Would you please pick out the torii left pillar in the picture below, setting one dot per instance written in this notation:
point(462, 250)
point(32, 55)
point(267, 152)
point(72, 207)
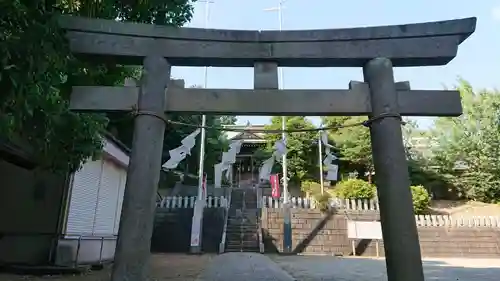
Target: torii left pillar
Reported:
point(136, 228)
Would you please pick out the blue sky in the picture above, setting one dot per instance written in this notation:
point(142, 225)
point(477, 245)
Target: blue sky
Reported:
point(478, 59)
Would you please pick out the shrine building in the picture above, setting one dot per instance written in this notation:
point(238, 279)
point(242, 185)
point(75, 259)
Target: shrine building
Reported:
point(246, 168)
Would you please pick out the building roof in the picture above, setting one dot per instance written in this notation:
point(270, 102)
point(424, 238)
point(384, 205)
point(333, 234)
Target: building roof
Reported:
point(248, 136)
point(16, 153)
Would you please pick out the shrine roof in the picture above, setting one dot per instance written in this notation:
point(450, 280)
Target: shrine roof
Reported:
point(248, 136)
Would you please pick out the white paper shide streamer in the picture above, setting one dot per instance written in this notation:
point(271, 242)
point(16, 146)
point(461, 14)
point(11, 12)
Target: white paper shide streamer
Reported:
point(331, 169)
point(228, 159)
point(178, 154)
point(267, 166)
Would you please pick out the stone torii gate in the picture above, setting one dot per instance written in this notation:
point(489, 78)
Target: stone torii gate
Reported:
point(376, 49)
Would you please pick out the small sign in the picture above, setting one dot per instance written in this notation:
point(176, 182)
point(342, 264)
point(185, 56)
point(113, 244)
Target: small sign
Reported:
point(364, 230)
point(204, 183)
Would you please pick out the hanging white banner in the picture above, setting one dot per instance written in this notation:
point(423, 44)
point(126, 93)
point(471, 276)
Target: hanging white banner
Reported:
point(331, 169)
point(267, 166)
point(178, 154)
point(225, 166)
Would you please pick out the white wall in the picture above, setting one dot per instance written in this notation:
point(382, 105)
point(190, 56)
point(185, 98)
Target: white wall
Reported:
point(96, 194)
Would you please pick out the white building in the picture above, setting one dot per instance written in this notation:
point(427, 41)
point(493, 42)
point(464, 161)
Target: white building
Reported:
point(67, 220)
point(93, 209)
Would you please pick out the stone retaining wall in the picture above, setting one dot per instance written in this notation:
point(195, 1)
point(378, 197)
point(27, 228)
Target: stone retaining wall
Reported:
point(315, 232)
point(172, 230)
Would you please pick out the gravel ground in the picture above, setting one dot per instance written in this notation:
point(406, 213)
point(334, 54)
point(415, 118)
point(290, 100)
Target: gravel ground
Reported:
point(316, 268)
point(172, 267)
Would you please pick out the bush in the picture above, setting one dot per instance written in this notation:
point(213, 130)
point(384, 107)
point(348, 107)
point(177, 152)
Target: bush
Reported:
point(355, 189)
point(421, 199)
point(310, 187)
point(322, 201)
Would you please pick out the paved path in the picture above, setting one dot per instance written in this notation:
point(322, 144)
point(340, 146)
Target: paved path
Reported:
point(316, 268)
point(243, 267)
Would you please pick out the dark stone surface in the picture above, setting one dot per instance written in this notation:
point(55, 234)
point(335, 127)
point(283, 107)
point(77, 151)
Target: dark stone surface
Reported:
point(403, 52)
point(432, 43)
point(143, 174)
point(213, 226)
point(403, 257)
point(172, 230)
point(318, 233)
point(464, 27)
point(352, 102)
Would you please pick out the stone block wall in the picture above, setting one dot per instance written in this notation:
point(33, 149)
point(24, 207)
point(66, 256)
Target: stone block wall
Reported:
point(213, 226)
point(314, 232)
point(172, 230)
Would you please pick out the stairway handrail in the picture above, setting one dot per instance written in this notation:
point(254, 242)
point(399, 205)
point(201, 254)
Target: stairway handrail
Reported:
point(222, 245)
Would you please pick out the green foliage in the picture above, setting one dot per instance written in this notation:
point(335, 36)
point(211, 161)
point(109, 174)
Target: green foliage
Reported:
point(311, 187)
point(421, 199)
point(37, 72)
point(466, 149)
point(355, 189)
point(353, 142)
point(302, 154)
point(322, 201)
point(227, 120)
point(422, 173)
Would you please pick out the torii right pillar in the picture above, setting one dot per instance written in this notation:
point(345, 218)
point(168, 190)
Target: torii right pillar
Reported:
point(399, 230)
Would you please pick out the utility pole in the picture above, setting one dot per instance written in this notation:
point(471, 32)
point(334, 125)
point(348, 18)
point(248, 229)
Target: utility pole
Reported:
point(287, 227)
point(279, 9)
point(197, 222)
point(203, 117)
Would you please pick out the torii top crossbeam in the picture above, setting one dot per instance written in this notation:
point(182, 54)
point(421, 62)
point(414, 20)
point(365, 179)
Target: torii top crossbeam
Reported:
point(431, 43)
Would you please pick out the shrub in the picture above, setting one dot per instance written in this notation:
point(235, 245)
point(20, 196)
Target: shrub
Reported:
point(322, 201)
point(311, 187)
point(421, 199)
point(355, 189)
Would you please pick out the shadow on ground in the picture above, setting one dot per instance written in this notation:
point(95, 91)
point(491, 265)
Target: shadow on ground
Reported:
point(172, 267)
point(309, 268)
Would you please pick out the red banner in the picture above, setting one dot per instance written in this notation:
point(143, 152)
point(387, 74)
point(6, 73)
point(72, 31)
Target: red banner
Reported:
point(204, 185)
point(275, 185)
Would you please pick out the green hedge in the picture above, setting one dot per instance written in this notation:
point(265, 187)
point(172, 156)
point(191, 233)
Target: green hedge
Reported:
point(360, 189)
point(355, 189)
point(421, 199)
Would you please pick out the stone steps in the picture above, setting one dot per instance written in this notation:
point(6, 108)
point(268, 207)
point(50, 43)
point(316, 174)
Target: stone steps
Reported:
point(243, 250)
point(243, 221)
point(243, 243)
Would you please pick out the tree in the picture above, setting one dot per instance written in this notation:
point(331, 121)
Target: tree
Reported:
point(302, 154)
point(471, 143)
point(37, 71)
point(227, 120)
point(352, 141)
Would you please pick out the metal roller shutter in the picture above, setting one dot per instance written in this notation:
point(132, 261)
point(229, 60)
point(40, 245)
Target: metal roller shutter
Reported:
point(107, 200)
point(123, 179)
point(84, 192)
